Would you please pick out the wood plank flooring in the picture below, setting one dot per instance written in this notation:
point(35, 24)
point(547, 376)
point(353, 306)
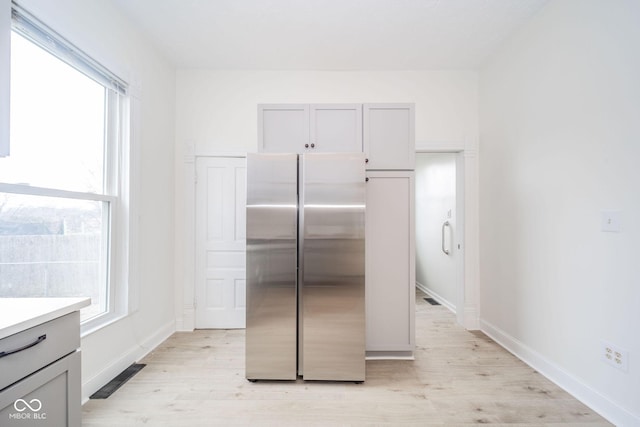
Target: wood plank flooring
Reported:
point(458, 378)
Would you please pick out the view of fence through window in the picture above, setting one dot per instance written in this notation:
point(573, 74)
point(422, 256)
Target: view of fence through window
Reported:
point(51, 247)
point(54, 239)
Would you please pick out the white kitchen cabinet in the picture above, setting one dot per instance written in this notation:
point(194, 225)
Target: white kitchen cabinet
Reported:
point(389, 136)
point(390, 272)
point(336, 127)
point(385, 132)
point(300, 128)
point(5, 67)
point(283, 128)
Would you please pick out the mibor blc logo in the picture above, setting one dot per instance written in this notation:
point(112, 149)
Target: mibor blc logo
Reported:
point(28, 410)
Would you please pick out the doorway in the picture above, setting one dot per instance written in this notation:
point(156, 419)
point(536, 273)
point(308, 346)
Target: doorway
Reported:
point(439, 228)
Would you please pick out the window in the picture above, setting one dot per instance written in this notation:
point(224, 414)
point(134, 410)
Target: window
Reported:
point(61, 207)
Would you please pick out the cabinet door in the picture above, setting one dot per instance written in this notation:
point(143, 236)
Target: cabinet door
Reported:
point(389, 136)
point(283, 128)
point(336, 128)
point(5, 67)
point(390, 275)
point(47, 398)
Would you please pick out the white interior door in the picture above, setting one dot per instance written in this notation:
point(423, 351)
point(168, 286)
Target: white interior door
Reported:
point(220, 242)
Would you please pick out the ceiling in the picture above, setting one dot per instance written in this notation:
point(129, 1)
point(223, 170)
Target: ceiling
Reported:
point(329, 34)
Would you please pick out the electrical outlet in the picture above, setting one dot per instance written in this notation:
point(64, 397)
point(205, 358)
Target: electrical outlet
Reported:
point(615, 356)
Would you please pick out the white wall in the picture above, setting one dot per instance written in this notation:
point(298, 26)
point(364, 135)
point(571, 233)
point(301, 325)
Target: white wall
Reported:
point(560, 141)
point(217, 110)
point(436, 203)
point(101, 31)
point(217, 113)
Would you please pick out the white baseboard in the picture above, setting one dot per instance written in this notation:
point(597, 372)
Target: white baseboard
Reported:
point(134, 354)
point(422, 287)
point(444, 302)
point(572, 385)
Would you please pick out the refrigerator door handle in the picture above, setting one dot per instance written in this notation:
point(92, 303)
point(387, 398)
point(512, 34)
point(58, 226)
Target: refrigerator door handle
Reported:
point(444, 225)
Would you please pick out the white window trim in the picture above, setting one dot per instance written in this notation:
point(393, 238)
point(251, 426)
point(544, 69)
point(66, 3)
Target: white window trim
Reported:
point(39, 33)
point(117, 175)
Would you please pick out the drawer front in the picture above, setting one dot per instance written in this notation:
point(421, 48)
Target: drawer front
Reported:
point(48, 398)
point(52, 340)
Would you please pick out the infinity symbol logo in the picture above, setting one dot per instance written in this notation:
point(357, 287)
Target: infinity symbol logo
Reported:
point(21, 405)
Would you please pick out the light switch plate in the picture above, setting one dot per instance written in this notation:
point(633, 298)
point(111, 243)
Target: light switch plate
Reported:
point(610, 221)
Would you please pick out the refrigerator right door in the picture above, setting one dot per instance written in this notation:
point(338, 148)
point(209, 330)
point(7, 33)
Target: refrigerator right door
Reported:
point(331, 289)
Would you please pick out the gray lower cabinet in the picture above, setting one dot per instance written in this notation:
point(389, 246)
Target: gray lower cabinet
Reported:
point(40, 375)
point(50, 397)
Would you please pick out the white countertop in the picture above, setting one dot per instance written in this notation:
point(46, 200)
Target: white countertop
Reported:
point(18, 314)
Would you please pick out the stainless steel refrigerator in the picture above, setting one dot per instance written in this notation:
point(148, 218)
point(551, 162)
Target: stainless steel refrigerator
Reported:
point(305, 266)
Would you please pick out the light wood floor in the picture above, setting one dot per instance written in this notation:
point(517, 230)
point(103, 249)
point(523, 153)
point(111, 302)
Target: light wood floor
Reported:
point(458, 378)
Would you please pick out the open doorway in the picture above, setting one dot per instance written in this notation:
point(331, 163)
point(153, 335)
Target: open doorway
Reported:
point(439, 228)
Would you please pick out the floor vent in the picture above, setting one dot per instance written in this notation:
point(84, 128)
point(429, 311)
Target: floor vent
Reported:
point(124, 376)
point(432, 301)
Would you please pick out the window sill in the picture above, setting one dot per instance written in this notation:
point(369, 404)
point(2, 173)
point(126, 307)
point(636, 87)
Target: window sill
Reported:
point(99, 323)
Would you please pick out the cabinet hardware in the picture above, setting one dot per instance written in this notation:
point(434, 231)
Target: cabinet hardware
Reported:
point(17, 350)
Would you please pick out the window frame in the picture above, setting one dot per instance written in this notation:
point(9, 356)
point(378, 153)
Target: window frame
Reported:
point(118, 245)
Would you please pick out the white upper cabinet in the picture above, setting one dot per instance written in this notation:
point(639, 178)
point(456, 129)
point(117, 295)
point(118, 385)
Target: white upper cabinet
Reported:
point(283, 128)
point(336, 127)
point(385, 132)
point(5, 67)
point(389, 136)
point(299, 128)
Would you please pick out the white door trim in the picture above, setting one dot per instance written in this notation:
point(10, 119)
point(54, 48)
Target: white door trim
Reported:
point(185, 271)
point(467, 271)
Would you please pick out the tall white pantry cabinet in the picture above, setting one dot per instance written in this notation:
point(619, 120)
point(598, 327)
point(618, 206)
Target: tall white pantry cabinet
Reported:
point(385, 133)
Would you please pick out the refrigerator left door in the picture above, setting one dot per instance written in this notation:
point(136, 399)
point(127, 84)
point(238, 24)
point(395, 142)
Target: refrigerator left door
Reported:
point(272, 215)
